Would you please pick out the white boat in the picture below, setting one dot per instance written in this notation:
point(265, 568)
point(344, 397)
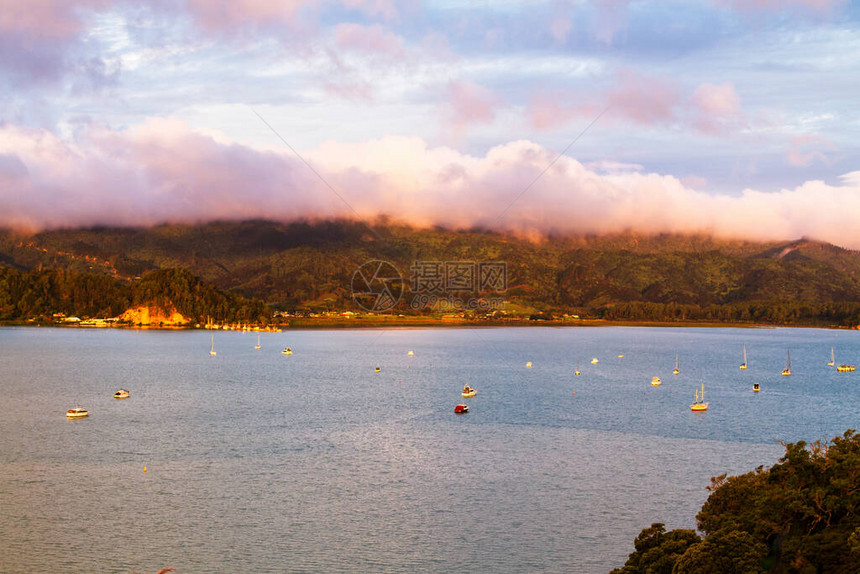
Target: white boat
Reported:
point(529, 364)
point(656, 382)
point(744, 364)
point(469, 392)
point(287, 351)
point(77, 413)
point(121, 394)
point(594, 361)
point(257, 346)
point(699, 405)
point(212, 348)
point(832, 358)
point(787, 370)
point(410, 354)
point(677, 369)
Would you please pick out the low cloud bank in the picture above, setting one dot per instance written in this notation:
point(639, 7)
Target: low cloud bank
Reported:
point(162, 171)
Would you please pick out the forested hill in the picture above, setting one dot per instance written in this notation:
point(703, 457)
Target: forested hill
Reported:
point(304, 265)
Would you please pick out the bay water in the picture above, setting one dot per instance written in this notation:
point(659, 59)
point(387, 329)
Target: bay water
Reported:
point(261, 462)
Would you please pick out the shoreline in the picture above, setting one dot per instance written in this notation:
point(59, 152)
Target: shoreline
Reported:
point(413, 322)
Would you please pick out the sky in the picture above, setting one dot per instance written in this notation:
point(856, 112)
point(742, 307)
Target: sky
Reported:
point(732, 117)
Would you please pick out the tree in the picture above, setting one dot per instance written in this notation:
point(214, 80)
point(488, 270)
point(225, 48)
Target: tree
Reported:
point(726, 552)
point(800, 515)
point(658, 550)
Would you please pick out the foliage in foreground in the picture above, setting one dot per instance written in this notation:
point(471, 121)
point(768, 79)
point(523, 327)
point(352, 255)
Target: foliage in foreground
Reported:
point(800, 515)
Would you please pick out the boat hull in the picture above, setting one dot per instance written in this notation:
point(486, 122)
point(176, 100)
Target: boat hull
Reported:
point(698, 408)
point(75, 414)
point(469, 394)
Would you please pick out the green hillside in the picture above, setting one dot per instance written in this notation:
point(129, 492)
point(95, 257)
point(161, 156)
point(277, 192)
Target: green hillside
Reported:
point(304, 265)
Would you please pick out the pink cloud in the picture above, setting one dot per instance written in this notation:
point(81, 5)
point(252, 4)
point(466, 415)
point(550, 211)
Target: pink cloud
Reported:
point(647, 100)
point(469, 104)
point(808, 148)
point(611, 18)
point(548, 111)
point(644, 99)
point(717, 106)
point(387, 9)
point(560, 28)
point(164, 171)
point(372, 40)
point(47, 19)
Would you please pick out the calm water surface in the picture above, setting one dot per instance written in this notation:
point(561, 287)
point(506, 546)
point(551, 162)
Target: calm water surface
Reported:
point(260, 462)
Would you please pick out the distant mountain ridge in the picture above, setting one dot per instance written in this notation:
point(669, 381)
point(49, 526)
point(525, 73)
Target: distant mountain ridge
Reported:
point(623, 276)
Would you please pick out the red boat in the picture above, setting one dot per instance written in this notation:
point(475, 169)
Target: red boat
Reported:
point(461, 409)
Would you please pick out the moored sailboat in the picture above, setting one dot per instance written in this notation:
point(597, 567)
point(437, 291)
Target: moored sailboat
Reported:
point(677, 368)
point(787, 370)
point(699, 404)
point(744, 364)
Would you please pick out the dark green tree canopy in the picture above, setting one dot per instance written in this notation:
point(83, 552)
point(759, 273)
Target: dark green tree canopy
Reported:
point(800, 515)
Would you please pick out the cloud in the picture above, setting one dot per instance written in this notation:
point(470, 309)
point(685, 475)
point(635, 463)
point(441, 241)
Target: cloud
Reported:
point(812, 6)
point(611, 18)
point(808, 148)
point(468, 104)
point(41, 41)
point(164, 171)
point(560, 28)
point(373, 40)
point(718, 106)
point(642, 99)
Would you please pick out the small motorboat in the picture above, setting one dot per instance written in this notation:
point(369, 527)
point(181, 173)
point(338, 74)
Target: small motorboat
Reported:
point(755, 388)
point(461, 409)
point(121, 394)
point(378, 369)
point(287, 351)
point(620, 356)
point(576, 372)
point(77, 413)
point(594, 361)
point(410, 354)
point(469, 391)
point(656, 382)
point(846, 368)
point(529, 365)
